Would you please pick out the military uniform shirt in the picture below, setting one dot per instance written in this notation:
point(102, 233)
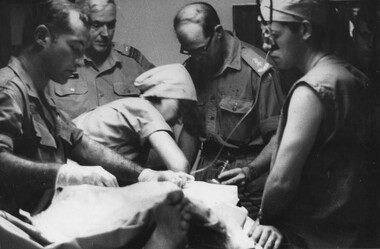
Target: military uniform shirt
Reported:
point(91, 87)
point(226, 97)
point(124, 125)
point(31, 128)
point(226, 100)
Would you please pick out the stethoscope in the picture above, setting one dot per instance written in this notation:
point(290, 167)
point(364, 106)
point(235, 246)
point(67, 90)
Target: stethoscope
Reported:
point(267, 34)
point(268, 38)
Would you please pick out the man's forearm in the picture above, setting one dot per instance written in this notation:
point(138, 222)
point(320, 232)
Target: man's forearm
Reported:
point(276, 198)
point(305, 115)
point(261, 164)
point(282, 183)
point(19, 174)
point(89, 152)
point(189, 145)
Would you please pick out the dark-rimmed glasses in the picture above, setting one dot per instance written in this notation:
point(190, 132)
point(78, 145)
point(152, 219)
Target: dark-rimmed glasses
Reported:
point(199, 50)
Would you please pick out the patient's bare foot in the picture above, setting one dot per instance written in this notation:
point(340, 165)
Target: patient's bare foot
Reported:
point(172, 218)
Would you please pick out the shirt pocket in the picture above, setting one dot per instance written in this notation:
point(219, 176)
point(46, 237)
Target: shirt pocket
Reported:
point(231, 113)
point(42, 132)
point(235, 106)
point(72, 87)
point(126, 88)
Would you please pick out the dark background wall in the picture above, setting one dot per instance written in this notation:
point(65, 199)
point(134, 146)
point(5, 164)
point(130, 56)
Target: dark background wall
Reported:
point(147, 25)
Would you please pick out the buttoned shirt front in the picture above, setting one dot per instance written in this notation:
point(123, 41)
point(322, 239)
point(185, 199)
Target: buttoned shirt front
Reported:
point(31, 128)
point(91, 86)
point(241, 105)
point(225, 98)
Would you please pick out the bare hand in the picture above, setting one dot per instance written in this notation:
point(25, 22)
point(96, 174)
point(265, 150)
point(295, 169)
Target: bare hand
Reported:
point(267, 237)
point(234, 176)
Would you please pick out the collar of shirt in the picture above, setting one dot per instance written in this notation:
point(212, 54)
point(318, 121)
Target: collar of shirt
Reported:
point(15, 65)
point(233, 49)
point(111, 61)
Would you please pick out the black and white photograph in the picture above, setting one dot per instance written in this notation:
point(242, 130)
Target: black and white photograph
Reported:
point(182, 124)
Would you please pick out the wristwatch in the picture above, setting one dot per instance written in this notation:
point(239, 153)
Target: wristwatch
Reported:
point(260, 217)
point(250, 173)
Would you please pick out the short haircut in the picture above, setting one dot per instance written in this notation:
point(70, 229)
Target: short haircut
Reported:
point(54, 14)
point(88, 6)
point(318, 36)
point(205, 15)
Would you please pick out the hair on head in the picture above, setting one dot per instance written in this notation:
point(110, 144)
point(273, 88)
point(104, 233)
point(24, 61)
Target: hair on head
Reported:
point(54, 14)
point(88, 6)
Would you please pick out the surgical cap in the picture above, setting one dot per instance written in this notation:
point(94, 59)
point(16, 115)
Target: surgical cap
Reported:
point(295, 10)
point(169, 81)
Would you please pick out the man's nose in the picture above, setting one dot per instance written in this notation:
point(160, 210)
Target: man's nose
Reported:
point(104, 31)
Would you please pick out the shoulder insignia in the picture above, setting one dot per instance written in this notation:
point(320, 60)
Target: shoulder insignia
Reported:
point(256, 61)
point(133, 53)
point(127, 50)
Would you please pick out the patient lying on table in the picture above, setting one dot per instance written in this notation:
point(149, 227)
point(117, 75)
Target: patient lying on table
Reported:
point(145, 215)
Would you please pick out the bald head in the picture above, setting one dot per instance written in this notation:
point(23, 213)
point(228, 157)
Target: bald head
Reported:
point(199, 13)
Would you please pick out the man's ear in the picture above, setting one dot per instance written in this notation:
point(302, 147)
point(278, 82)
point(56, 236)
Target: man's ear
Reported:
point(42, 35)
point(218, 29)
point(306, 30)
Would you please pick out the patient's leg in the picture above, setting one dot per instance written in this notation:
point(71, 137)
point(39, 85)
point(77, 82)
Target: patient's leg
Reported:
point(172, 220)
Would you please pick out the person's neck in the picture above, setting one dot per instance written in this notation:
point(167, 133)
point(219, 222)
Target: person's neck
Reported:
point(312, 57)
point(222, 55)
point(98, 58)
point(32, 64)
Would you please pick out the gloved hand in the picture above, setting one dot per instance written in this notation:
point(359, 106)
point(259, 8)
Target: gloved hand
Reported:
point(178, 178)
point(70, 174)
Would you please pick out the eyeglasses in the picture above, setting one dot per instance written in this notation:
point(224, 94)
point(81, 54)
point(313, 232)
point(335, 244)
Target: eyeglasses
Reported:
point(97, 25)
point(199, 50)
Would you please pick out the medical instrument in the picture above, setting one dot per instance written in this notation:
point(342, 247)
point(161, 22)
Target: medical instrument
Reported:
point(266, 35)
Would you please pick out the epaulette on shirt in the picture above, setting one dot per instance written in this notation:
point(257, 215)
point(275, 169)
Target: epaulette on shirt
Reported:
point(129, 51)
point(255, 59)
